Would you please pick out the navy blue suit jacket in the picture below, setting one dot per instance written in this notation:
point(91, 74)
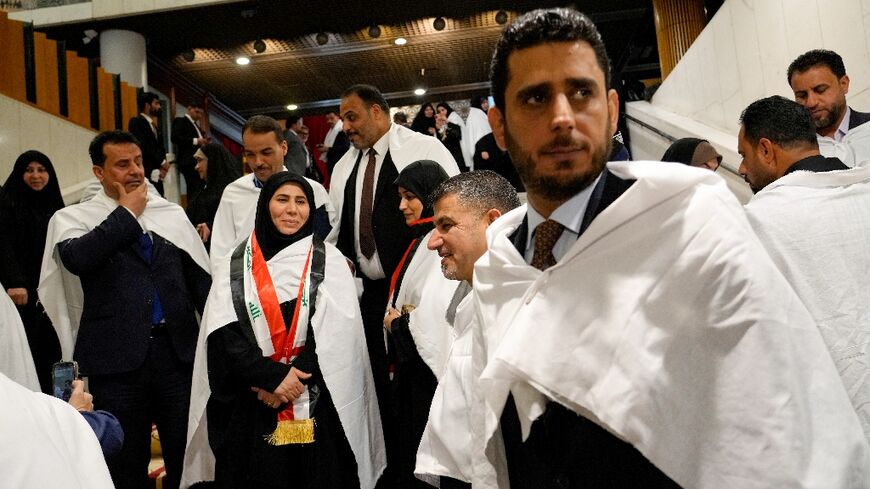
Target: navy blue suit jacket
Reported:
point(118, 285)
point(857, 118)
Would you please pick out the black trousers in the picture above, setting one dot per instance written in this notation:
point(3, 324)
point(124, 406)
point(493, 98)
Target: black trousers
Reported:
point(159, 392)
point(373, 305)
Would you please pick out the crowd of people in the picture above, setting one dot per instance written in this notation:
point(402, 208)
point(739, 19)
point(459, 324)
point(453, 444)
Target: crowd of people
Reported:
point(416, 325)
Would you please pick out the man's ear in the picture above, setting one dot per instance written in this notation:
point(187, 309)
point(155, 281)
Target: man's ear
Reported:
point(613, 106)
point(844, 83)
point(767, 149)
point(496, 122)
point(492, 215)
point(284, 148)
point(98, 172)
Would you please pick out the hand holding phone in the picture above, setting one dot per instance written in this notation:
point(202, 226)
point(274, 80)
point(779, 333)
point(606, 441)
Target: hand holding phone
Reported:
point(62, 376)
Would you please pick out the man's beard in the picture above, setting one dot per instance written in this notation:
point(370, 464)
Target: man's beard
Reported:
point(557, 188)
point(829, 120)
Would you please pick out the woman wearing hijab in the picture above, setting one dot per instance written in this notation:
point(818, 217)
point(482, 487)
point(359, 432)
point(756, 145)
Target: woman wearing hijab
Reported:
point(419, 296)
point(424, 121)
point(291, 401)
point(32, 195)
point(218, 168)
point(693, 152)
point(450, 128)
point(476, 127)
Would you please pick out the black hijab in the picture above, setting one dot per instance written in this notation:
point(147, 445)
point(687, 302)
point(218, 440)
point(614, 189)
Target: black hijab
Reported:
point(223, 168)
point(48, 200)
point(270, 239)
point(421, 178)
point(477, 102)
point(683, 151)
point(422, 123)
point(446, 106)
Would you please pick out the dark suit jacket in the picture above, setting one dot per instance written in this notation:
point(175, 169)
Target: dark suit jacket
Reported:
point(565, 449)
point(153, 152)
point(392, 235)
point(857, 118)
point(118, 286)
point(337, 150)
point(296, 159)
point(183, 133)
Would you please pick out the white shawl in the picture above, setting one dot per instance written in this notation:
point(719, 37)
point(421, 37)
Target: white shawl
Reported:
point(16, 361)
point(816, 227)
point(406, 146)
point(47, 443)
point(341, 353)
point(476, 127)
point(853, 150)
point(61, 291)
point(234, 220)
point(445, 448)
point(329, 139)
point(667, 324)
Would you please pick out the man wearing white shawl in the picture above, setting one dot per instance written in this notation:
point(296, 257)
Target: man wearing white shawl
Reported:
point(476, 126)
point(465, 206)
point(631, 331)
point(375, 240)
point(16, 361)
point(122, 277)
point(47, 443)
point(264, 152)
point(806, 207)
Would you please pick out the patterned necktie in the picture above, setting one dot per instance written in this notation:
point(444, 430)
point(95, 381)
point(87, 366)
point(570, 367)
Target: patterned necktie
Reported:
point(546, 235)
point(366, 234)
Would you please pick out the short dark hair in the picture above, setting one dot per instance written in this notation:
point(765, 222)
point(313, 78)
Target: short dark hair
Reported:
point(146, 98)
point(817, 57)
point(95, 149)
point(400, 118)
point(785, 122)
point(195, 104)
point(262, 124)
point(369, 95)
point(481, 190)
point(293, 119)
point(539, 27)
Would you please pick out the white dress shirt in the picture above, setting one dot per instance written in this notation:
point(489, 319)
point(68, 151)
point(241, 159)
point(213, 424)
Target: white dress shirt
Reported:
point(372, 267)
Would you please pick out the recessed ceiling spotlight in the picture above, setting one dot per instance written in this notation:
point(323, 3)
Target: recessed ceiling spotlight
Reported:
point(375, 31)
point(501, 17)
point(259, 46)
point(420, 91)
point(400, 41)
point(292, 107)
point(321, 38)
point(188, 55)
point(439, 24)
point(243, 60)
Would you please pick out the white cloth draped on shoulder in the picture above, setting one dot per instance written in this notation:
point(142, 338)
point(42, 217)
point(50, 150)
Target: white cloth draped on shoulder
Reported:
point(406, 147)
point(16, 362)
point(61, 292)
point(47, 443)
point(816, 227)
point(341, 354)
point(234, 220)
point(853, 150)
point(329, 139)
point(667, 324)
point(476, 127)
point(445, 448)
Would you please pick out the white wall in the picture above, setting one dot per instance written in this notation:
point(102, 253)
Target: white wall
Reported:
point(23, 127)
point(102, 9)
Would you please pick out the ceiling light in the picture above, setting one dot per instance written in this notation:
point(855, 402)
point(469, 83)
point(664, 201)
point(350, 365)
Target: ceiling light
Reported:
point(400, 41)
point(243, 60)
point(420, 91)
point(501, 17)
point(259, 46)
point(292, 107)
point(374, 31)
point(321, 38)
point(439, 24)
point(188, 55)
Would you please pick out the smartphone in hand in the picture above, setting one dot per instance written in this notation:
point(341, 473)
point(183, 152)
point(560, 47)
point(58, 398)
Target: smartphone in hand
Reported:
point(62, 376)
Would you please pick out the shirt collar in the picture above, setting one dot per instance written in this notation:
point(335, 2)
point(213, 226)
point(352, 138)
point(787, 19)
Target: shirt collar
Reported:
point(844, 125)
point(143, 114)
point(569, 214)
point(382, 145)
point(258, 183)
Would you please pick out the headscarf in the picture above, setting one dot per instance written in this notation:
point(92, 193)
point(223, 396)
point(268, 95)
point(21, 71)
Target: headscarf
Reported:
point(422, 123)
point(271, 240)
point(477, 101)
point(422, 177)
point(47, 200)
point(691, 151)
point(446, 106)
point(223, 168)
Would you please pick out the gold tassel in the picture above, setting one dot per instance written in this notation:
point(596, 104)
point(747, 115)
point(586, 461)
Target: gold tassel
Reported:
point(292, 432)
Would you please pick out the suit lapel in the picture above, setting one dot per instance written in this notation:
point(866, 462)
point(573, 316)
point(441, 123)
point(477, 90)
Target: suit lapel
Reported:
point(386, 177)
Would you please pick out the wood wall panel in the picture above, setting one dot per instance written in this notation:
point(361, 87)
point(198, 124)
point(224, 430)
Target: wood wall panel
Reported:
point(107, 100)
point(12, 58)
point(45, 54)
point(77, 90)
point(128, 103)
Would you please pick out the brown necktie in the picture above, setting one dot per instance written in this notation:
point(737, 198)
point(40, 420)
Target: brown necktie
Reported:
point(366, 235)
point(546, 235)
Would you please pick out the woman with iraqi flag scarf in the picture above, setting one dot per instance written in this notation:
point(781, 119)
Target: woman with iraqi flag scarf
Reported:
point(282, 371)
